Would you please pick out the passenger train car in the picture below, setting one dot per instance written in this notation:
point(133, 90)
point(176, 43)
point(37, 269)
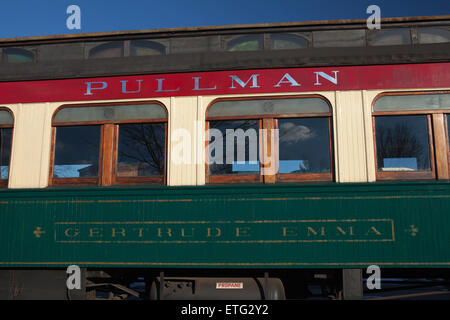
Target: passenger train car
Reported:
point(234, 162)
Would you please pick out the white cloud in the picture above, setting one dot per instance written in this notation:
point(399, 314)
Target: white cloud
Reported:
point(295, 133)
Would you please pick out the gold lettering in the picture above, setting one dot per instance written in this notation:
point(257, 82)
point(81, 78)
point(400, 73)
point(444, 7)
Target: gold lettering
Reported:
point(243, 232)
point(168, 232)
point(345, 232)
point(95, 232)
point(183, 234)
point(314, 232)
point(140, 231)
point(114, 232)
point(374, 230)
point(72, 232)
point(218, 232)
point(290, 231)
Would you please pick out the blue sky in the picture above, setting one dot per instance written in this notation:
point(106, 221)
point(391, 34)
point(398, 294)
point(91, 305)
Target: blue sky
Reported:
point(46, 17)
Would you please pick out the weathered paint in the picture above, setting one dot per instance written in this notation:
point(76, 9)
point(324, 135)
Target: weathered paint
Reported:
point(285, 226)
point(352, 136)
point(431, 75)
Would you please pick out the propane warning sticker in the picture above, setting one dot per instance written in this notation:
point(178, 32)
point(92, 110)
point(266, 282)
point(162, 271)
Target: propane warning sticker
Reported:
point(229, 285)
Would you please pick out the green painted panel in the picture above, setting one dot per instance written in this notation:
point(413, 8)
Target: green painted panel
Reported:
point(293, 226)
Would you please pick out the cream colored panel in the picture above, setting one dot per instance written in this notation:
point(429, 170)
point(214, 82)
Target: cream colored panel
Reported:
point(200, 141)
point(368, 98)
point(46, 144)
point(350, 134)
point(30, 143)
point(182, 141)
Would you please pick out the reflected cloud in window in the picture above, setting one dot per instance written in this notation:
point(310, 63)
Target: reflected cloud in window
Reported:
point(304, 145)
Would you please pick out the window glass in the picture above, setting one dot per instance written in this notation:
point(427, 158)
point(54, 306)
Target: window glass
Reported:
point(389, 37)
point(77, 150)
point(402, 143)
point(448, 131)
point(107, 50)
point(246, 43)
point(233, 147)
point(146, 48)
point(434, 35)
point(287, 41)
point(304, 145)
point(5, 152)
point(412, 102)
point(5, 117)
point(267, 107)
point(141, 150)
point(339, 38)
point(16, 55)
point(110, 113)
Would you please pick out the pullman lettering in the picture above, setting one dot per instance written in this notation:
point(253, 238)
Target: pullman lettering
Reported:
point(199, 84)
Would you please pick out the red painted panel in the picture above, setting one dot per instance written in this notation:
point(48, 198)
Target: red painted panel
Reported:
point(432, 75)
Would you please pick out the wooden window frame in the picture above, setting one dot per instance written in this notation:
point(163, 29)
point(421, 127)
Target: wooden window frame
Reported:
point(296, 177)
point(236, 178)
point(437, 139)
point(117, 180)
point(109, 139)
point(268, 122)
point(447, 139)
point(4, 182)
point(73, 181)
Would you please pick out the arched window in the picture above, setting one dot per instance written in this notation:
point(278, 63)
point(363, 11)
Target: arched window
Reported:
point(434, 35)
point(285, 41)
point(146, 48)
point(246, 43)
point(17, 55)
point(390, 37)
point(6, 130)
point(109, 144)
point(107, 50)
point(269, 140)
point(411, 134)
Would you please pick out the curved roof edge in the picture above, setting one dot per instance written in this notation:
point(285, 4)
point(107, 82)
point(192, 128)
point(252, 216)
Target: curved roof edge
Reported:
point(313, 24)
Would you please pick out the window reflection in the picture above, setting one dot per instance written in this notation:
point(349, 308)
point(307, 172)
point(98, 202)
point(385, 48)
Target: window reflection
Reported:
point(304, 145)
point(448, 130)
point(287, 41)
point(77, 151)
point(146, 48)
point(141, 150)
point(107, 50)
point(246, 43)
point(5, 152)
point(402, 143)
point(434, 35)
point(17, 55)
point(389, 37)
point(234, 147)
